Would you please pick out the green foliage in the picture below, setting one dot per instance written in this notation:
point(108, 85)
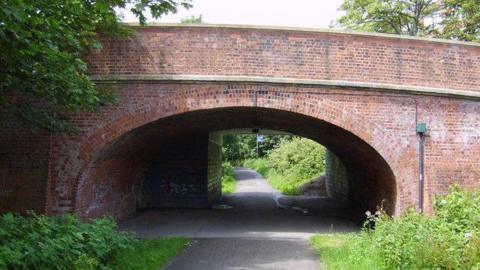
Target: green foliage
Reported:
point(411, 17)
point(157, 8)
point(461, 20)
point(335, 251)
point(287, 185)
point(40, 242)
point(239, 147)
point(459, 209)
point(192, 20)
point(149, 254)
point(294, 162)
point(298, 157)
point(229, 184)
point(41, 43)
point(450, 239)
point(453, 19)
point(260, 165)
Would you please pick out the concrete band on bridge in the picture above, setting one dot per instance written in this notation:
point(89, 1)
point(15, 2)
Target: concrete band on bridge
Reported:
point(366, 86)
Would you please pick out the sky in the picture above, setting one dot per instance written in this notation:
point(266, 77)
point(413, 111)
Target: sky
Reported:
point(293, 13)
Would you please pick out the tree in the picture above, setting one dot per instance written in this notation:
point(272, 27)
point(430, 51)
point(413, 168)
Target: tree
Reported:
point(238, 147)
point(452, 19)
point(461, 20)
point(192, 20)
point(411, 17)
point(42, 75)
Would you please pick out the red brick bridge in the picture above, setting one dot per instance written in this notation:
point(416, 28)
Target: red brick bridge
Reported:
point(361, 95)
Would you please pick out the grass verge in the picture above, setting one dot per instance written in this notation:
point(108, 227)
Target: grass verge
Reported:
point(287, 185)
point(229, 184)
point(334, 252)
point(149, 254)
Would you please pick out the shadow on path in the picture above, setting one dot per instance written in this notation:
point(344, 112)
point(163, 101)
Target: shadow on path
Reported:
point(262, 230)
point(255, 213)
point(236, 254)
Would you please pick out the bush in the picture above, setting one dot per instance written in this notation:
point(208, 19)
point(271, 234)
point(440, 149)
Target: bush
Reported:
point(300, 158)
point(63, 242)
point(293, 163)
point(229, 184)
point(450, 239)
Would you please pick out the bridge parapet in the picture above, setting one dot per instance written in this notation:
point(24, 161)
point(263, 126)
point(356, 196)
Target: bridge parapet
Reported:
point(289, 53)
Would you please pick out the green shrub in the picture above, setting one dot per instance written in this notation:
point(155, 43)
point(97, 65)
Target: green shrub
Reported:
point(229, 184)
point(293, 163)
point(450, 239)
point(63, 242)
point(299, 157)
point(460, 209)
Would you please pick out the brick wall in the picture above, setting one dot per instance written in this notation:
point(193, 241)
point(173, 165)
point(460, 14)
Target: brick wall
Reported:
point(336, 178)
point(290, 54)
point(111, 187)
point(137, 173)
point(177, 176)
point(214, 167)
point(24, 165)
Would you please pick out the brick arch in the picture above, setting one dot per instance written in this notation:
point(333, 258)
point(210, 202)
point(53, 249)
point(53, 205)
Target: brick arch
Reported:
point(197, 98)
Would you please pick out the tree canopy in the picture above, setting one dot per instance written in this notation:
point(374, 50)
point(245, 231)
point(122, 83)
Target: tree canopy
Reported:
point(238, 147)
point(461, 20)
point(42, 74)
point(453, 19)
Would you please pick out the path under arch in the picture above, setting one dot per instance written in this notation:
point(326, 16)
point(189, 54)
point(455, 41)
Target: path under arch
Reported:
point(260, 231)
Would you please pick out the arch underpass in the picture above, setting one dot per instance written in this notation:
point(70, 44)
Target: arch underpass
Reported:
point(174, 162)
point(360, 95)
point(118, 158)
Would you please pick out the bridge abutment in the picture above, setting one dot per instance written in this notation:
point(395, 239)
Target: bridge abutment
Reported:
point(179, 175)
point(182, 171)
point(336, 178)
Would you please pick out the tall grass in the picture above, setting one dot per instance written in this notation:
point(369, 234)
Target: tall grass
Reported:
point(449, 239)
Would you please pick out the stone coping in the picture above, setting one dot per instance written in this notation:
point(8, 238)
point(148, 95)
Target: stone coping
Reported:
point(308, 30)
point(366, 86)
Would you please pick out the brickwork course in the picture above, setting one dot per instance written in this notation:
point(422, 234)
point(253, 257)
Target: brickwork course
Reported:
point(360, 95)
